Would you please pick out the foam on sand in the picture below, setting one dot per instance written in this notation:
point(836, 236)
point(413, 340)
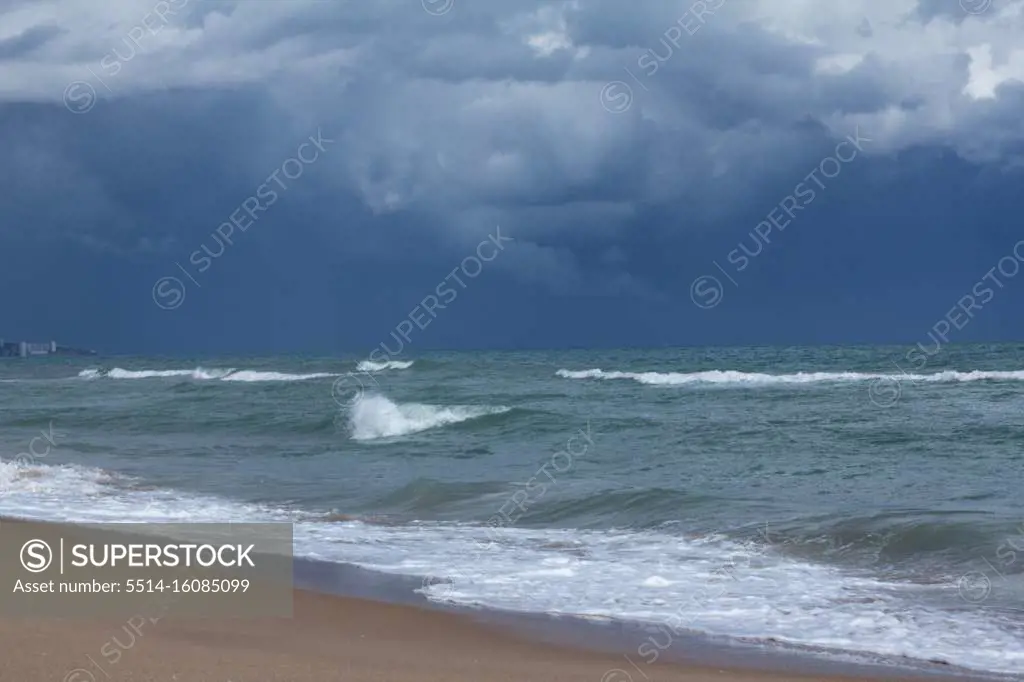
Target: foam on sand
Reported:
point(705, 584)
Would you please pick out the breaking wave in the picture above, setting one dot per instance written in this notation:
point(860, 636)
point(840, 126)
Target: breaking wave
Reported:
point(371, 366)
point(246, 375)
point(199, 373)
point(754, 378)
point(374, 416)
point(118, 373)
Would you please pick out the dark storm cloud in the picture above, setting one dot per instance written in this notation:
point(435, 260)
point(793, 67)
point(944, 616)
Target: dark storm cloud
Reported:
point(447, 125)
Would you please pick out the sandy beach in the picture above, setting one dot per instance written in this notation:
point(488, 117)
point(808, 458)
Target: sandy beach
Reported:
point(330, 638)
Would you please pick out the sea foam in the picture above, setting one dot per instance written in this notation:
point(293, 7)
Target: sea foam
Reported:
point(371, 366)
point(705, 584)
point(374, 416)
point(249, 375)
point(200, 374)
point(755, 378)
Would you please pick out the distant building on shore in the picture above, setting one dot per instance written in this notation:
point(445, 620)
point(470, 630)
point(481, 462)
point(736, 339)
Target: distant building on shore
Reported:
point(28, 349)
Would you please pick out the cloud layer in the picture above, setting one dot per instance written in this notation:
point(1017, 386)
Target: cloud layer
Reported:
point(604, 136)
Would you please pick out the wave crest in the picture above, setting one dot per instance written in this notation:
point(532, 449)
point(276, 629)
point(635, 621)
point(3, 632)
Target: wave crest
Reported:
point(371, 366)
point(249, 375)
point(374, 416)
point(118, 373)
point(755, 378)
point(200, 374)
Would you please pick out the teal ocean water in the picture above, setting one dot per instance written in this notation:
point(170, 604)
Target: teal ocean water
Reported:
point(855, 502)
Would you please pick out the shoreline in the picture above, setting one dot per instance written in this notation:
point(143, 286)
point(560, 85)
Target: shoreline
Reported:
point(349, 622)
point(328, 638)
point(621, 639)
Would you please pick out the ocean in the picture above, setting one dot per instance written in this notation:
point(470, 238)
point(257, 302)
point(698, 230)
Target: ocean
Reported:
point(847, 502)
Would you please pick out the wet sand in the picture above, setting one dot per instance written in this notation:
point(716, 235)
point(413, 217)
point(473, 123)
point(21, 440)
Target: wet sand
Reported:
point(329, 638)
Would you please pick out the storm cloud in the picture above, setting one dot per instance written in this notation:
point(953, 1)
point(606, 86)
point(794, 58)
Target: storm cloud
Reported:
point(628, 148)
